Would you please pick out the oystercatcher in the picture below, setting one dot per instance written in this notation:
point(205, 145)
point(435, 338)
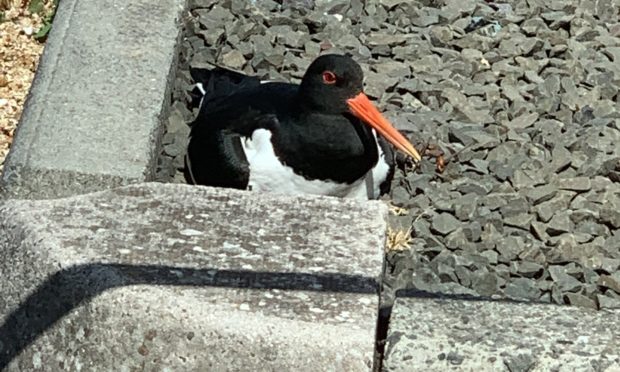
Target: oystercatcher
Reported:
point(319, 137)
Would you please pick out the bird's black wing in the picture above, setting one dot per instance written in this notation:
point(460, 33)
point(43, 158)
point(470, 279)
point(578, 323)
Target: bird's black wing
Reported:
point(233, 106)
point(218, 83)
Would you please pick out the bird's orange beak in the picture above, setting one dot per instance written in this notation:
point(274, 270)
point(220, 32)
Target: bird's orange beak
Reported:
point(364, 109)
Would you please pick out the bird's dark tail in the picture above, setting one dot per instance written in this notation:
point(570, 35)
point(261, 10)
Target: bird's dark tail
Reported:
point(217, 83)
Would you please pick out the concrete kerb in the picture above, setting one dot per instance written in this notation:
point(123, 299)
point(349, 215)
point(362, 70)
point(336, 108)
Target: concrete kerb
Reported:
point(442, 333)
point(92, 122)
point(189, 278)
point(95, 109)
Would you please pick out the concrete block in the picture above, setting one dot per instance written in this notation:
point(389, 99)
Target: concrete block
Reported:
point(430, 334)
point(170, 277)
point(95, 109)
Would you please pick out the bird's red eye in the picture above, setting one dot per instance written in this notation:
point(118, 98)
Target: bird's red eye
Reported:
point(329, 77)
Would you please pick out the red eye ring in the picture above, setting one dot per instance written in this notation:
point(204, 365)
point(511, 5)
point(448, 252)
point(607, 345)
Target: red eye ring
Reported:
point(329, 77)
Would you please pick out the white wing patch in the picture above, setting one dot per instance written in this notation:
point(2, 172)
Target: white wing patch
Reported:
point(268, 174)
point(379, 173)
point(202, 90)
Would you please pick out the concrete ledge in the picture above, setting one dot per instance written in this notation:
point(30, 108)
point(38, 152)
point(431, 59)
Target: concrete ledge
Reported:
point(158, 276)
point(94, 112)
point(450, 334)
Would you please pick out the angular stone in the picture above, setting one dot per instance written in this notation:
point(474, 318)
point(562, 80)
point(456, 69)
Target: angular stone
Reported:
point(579, 184)
point(523, 179)
point(484, 139)
point(503, 273)
point(425, 279)
point(566, 249)
point(425, 20)
point(565, 282)
point(456, 239)
point(473, 187)
point(478, 261)
point(261, 44)
point(392, 69)
point(592, 228)
point(515, 206)
point(480, 165)
point(377, 39)
point(521, 221)
point(522, 289)
point(445, 223)
point(460, 102)
point(608, 302)
point(574, 270)
point(465, 206)
point(523, 121)
point(556, 294)
point(234, 59)
point(495, 200)
point(529, 269)
point(561, 158)
point(540, 194)
point(533, 251)
point(177, 147)
point(465, 261)
point(611, 216)
point(464, 275)
point(540, 231)
point(590, 276)
point(584, 210)
point(214, 18)
point(170, 271)
point(391, 3)
point(484, 282)
point(377, 85)
point(456, 289)
point(491, 256)
point(577, 299)
point(560, 223)
point(490, 235)
point(441, 35)
point(473, 231)
point(610, 265)
point(610, 281)
point(491, 335)
point(446, 273)
point(522, 362)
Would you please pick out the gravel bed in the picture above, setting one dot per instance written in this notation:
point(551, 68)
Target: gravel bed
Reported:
point(520, 97)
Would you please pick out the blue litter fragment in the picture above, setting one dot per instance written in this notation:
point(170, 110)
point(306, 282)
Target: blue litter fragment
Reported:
point(486, 27)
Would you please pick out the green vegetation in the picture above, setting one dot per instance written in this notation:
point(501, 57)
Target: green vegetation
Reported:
point(38, 7)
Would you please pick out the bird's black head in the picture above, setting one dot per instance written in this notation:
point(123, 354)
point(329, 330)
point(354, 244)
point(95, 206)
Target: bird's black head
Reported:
point(333, 84)
point(329, 82)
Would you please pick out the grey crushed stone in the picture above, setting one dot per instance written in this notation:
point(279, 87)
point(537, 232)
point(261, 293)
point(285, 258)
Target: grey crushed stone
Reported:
point(523, 105)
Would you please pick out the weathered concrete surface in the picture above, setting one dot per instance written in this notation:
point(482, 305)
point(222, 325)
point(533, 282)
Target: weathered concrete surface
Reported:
point(92, 119)
point(159, 276)
point(447, 334)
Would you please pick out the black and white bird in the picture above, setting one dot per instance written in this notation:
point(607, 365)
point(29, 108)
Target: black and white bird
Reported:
point(321, 137)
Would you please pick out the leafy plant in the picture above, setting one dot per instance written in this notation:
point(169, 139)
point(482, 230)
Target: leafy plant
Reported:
point(38, 7)
point(41, 35)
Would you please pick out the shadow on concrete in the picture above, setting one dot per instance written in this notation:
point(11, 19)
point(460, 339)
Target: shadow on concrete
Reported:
point(68, 288)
